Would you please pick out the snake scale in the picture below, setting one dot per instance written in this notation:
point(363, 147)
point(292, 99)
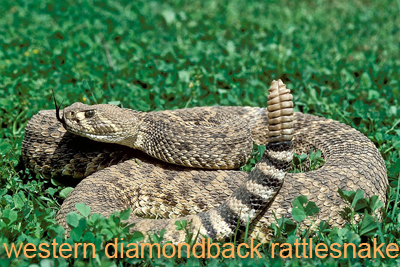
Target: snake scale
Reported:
point(118, 176)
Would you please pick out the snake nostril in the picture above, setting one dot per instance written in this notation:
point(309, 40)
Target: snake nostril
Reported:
point(69, 115)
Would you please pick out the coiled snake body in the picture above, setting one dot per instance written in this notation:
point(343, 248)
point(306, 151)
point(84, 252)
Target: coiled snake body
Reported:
point(118, 177)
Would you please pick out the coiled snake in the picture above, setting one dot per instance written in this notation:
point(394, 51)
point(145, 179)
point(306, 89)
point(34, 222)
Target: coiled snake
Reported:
point(118, 177)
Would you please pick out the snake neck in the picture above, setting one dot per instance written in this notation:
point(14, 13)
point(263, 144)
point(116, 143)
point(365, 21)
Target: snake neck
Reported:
point(132, 126)
point(127, 131)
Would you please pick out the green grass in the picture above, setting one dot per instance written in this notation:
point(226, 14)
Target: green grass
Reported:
point(341, 58)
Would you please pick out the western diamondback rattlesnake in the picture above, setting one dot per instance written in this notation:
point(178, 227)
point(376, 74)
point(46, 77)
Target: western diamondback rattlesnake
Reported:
point(153, 188)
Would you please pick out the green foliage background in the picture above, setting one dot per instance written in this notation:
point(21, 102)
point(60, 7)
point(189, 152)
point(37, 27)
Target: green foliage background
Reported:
point(341, 58)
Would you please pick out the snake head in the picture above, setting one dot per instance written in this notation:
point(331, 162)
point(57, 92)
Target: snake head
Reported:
point(103, 122)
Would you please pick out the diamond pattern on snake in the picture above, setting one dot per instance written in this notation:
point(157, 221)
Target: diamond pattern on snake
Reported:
point(183, 164)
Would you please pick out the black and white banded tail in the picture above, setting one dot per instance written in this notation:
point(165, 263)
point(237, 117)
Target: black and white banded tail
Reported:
point(264, 182)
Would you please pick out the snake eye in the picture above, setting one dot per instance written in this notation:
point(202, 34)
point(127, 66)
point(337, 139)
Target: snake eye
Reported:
point(89, 113)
